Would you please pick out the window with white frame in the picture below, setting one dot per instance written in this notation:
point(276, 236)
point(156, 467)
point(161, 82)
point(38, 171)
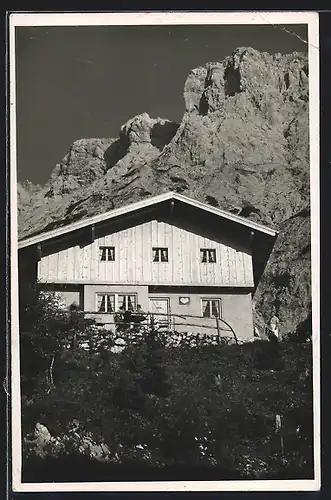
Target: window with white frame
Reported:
point(105, 302)
point(128, 302)
point(160, 254)
point(211, 308)
point(107, 254)
point(207, 255)
point(110, 302)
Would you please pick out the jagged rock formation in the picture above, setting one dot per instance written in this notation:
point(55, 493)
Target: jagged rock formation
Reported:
point(83, 164)
point(242, 145)
point(27, 192)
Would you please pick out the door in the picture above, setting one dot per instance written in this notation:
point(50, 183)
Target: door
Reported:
point(159, 307)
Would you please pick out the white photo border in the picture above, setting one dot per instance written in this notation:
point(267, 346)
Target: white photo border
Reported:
point(170, 18)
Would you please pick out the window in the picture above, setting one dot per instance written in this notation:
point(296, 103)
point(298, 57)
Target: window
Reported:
point(107, 253)
point(105, 302)
point(110, 303)
point(207, 255)
point(210, 308)
point(129, 302)
point(160, 254)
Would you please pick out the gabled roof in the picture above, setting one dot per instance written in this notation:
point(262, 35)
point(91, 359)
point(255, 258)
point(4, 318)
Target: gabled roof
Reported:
point(148, 202)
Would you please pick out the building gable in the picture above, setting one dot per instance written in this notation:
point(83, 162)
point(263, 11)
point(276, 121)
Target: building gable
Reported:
point(72, 250)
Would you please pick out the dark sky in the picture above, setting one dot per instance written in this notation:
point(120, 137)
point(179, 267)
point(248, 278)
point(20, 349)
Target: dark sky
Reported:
point(75, 82)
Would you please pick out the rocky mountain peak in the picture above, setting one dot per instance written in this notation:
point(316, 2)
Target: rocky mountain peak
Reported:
point(261, 76)
point(142, 129)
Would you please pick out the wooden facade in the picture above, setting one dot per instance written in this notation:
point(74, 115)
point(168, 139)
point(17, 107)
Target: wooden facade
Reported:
point(134, 259)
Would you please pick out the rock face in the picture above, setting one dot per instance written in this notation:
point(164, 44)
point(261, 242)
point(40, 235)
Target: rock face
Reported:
point(83, 164)
point(242, 145)
point(286, 283)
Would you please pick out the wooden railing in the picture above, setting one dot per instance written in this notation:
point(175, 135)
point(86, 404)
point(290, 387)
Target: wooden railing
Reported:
point(170, 321)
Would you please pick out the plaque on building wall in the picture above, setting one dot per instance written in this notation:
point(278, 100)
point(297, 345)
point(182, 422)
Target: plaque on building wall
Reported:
point(184, 301)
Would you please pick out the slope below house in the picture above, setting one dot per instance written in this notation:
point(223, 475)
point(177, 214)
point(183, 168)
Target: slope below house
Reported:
point(193, 266)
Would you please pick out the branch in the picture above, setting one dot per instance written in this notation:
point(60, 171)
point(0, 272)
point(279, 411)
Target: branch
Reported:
point(50, 371)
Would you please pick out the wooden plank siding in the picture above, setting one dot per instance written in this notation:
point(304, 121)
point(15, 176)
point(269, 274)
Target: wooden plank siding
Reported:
point(133, 259)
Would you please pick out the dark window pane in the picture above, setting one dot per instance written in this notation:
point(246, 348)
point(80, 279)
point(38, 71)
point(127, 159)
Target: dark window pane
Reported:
point(212, 255)
point(215, 308)
point(155, 255)
point(206, 308)
point(164, 255)
point(101, 303)
point(129, 301)
point(121, 301)
point(103, 253)
point(133, 301)
point(111, 253)
point(110, 303)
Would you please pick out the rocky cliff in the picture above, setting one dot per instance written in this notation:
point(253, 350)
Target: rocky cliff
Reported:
point(242, 145)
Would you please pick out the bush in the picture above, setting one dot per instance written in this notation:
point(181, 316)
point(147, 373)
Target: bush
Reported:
point(211, 407)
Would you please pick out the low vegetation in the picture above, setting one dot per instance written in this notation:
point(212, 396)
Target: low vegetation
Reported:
point(155, 412)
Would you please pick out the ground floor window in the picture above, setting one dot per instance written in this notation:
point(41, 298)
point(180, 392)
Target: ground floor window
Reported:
point(128, 302)
point(211, 308)
point(112, 302)
point(105, 302)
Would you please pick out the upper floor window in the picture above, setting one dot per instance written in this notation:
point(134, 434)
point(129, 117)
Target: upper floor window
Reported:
point(107, 253)
point(207, 255)
point(160, 254)
point(210, 308)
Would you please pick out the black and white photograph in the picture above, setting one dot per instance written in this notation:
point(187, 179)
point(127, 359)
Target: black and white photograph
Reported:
point(164, 174)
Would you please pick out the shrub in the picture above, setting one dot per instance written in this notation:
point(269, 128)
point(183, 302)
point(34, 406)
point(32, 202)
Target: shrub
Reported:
point(151, 405)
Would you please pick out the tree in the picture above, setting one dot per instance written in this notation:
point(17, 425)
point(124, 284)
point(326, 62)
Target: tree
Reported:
point(44, 332)
point(150, 404)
